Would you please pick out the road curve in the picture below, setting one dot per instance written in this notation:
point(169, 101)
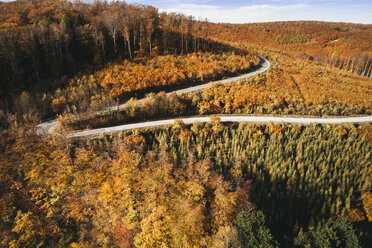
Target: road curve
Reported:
point(49, 126)
point(264, 66)
point(255, 119)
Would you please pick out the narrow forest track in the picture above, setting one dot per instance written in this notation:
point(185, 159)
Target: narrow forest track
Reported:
point(49, 126)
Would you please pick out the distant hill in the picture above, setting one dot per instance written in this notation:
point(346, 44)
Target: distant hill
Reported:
point(347, 46)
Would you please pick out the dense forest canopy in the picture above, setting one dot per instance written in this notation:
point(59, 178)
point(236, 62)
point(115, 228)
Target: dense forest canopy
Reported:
point(200, 185)
point(188, 186)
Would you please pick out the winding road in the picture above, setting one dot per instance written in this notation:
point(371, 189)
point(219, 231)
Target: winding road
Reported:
point(49, 126)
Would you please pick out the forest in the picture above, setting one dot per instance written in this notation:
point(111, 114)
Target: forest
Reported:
point(237, 185)
point(44, 44)
point(189, 186)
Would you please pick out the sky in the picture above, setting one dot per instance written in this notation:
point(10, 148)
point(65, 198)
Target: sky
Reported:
point(248, 11)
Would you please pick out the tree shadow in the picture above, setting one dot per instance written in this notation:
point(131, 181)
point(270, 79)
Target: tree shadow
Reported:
point(289, 209)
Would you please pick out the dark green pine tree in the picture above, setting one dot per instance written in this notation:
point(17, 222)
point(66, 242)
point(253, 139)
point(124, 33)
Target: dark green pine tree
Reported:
point(252, 230)
point(334, 234)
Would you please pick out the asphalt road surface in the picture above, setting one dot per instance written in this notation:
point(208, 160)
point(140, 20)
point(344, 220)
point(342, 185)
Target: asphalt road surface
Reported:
point(49, 126)
point(255, 119)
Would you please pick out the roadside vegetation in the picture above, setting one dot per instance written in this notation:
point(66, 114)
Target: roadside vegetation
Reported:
point(293, 88)
point(132, 79)
point(201, 185)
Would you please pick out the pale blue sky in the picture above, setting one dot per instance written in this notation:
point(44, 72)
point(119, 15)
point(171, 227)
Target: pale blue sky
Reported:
point(245, 11)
